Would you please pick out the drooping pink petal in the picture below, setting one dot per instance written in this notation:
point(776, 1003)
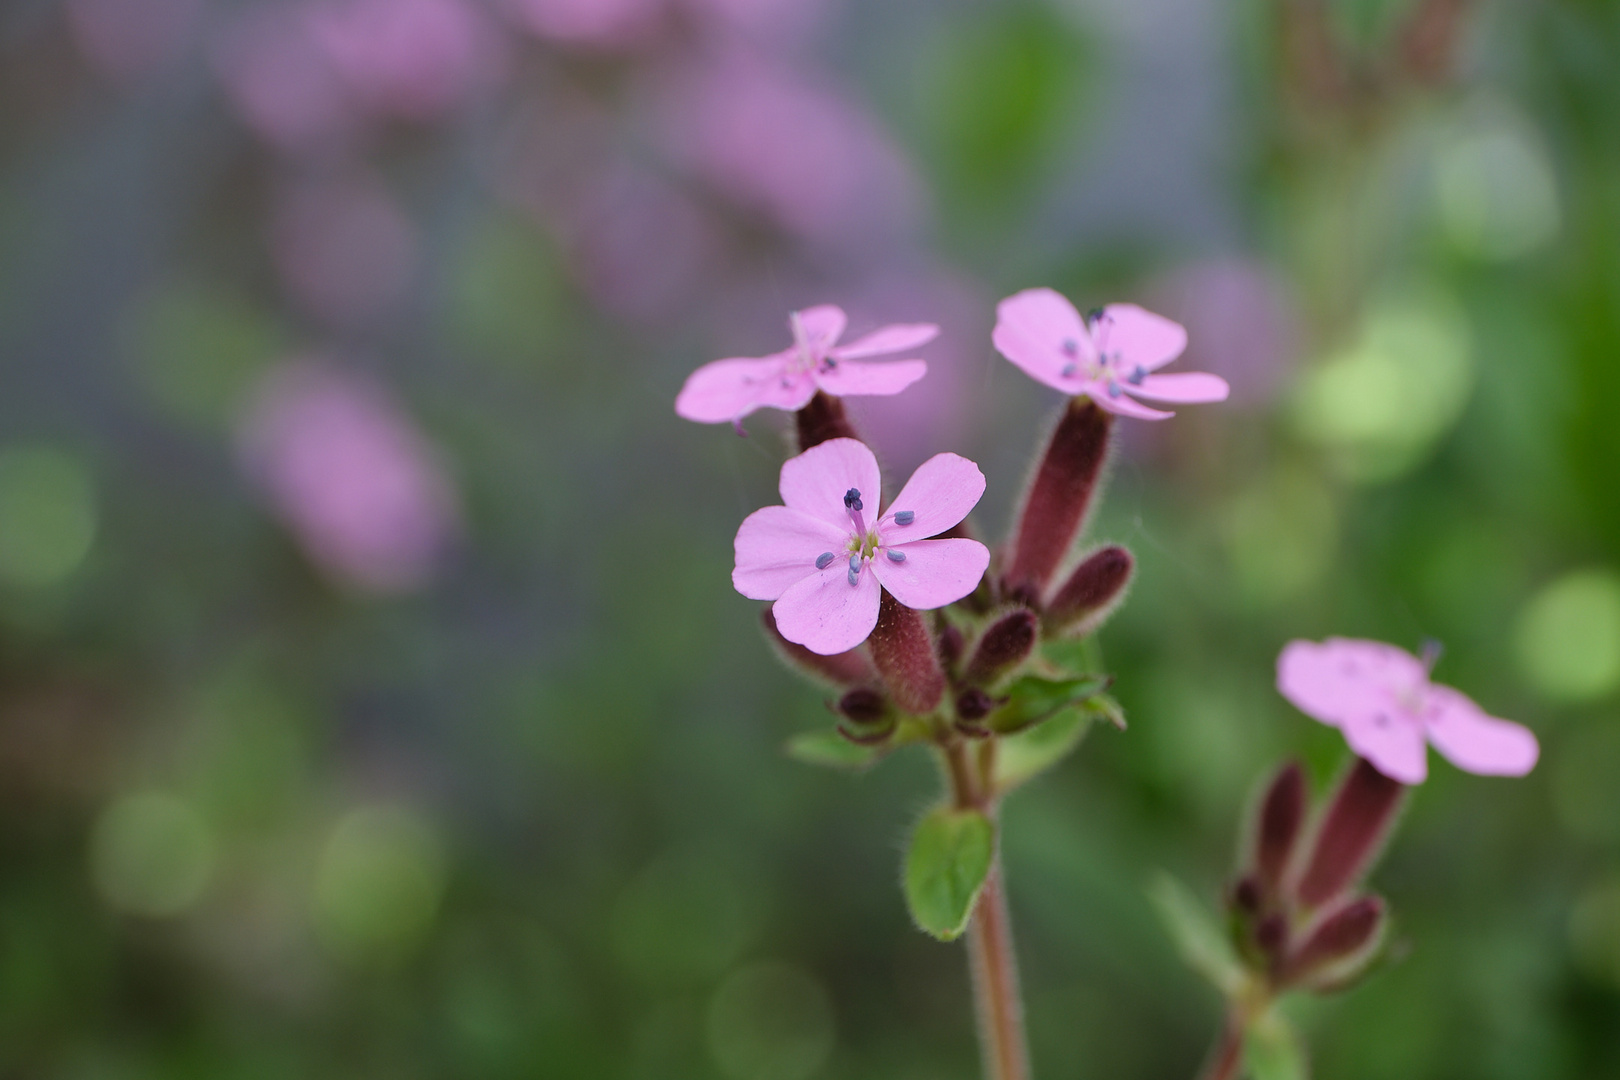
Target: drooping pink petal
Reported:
point(822, 326)
point(1032, 328)
point(1475, 741)
point(1185, 388)
point(1122, 404)
point(942, 492)
point(1393, 743)
point(825, 613)
point(859, 377)
point(934, 573)
point(1345, 680)
point(725, 390)
point(777, 546)
point(889, 339)
point(814, 483)
point(1139, 337)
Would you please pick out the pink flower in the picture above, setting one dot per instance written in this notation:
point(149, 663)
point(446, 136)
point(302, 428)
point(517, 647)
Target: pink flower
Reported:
point(410, 58)
point(728, 390)
point(350, 474)
point(1383, 701)
point(823, 563)
point(1107, 356)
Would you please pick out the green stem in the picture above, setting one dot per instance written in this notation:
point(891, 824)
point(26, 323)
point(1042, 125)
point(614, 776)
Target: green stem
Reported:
point(991, 959)
point(1226, 1059)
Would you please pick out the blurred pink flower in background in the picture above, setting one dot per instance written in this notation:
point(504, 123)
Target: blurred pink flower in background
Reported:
point(413, 59)
point(1240, 323)
point(607, 24)
point(124, 39)
point(775, 21)
point(350, 475)
point(795, 151)
point(281, 82)
point(344, 249)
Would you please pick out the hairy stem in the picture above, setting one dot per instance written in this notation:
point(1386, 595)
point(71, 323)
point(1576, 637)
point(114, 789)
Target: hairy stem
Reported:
point(994, 966)
point(1226, 1059)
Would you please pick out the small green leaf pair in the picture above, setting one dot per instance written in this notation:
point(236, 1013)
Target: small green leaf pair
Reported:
point(951, 854)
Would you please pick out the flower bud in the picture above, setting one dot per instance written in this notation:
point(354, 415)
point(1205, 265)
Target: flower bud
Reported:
point(1092, 592)
point(1002, 646)
point(1246, 895)
point(1345, 936)
point(868, 716)
point(904, 655)
point(1355, 824)
point(1272, 934)
point(1277, 827)
point(1059, 495)
point(841, 669)
point(821, 419)
point(973, 705)
point(951, 646)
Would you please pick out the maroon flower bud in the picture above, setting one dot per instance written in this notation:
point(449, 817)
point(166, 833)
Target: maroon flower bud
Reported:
point(821, 419)
point(1272, 934)
point(1002, 646)
point(974, 704)
point(1277, 827)
point(1092, 592)
point(1059, 495)
point(1345, 935)
point(904, 655)
point(841, 669)
point(864, 705)
point(1355, 824)
point(1246, 895)
point(951, 646)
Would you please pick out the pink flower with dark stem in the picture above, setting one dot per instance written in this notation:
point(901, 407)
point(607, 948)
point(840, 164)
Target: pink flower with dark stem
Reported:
point(825, 556)
point(725, 391)
point(1381, 698)
point(1108, 356)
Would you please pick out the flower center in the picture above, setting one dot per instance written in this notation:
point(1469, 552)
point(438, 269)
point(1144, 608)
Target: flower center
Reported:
point(805, 358)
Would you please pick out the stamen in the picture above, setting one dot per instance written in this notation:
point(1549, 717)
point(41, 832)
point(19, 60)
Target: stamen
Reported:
point(852, 503)
point(1071, 347)
point(1113, 389)
point(854, 568)
point(905, 517)
point(1137, 376)
point(895, 556)
point(1070, 370)
point(824, 560)
point(1094, 316)
point(736, 425)
point(1432, 651)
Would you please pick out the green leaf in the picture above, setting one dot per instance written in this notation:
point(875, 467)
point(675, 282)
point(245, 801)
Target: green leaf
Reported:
point(831, 749)
point(950, 856)
point(1033, 699)
point(1199, 938)
point(1032, 751)
point(1272, 1050)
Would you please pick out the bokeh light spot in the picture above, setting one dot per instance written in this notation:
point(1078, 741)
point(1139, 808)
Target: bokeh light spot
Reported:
point(687, 916)
point(381, 878)
point(47, 515)
point(151, 854)
point(770, 1021)
point(1498, 196)
point(1568, 639)
point(1280, 535)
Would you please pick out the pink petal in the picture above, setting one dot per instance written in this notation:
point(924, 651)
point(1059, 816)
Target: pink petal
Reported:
point(778, 546)
point(1185, 388)
point(1473, 740)
point(1140, 337)
point(1393, 743)
point(1122, 404)
point(814, 483)
point(935, 572)
point(942, 492)
point(858, 377)
point(1031, 329)
point(725, 390)
point(1346, 680)
point(822, 325)
point(825, 613)
point(896, 338)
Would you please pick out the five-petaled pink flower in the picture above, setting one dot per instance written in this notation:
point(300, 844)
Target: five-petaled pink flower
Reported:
point(1108, 356)
point(824, 555)
point(725, 391)
point(1381, 698)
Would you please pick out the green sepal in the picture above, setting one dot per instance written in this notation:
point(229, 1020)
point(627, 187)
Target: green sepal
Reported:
point(947, 863)
point(1272, 1051)
point(1032, 751)
point(832, 750)
point(1032, 699)
point(1205, 947)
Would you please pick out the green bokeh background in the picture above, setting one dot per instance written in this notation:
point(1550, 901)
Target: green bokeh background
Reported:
point(534, 819)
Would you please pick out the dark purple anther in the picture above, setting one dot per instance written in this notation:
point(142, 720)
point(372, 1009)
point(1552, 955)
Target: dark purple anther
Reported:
point(852, 503)
point(1070, 371)
point(854, 568)
point(824, 560)
point(895, 556)
point(1136, 377)
point(905, 517)
point(1071, 347)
